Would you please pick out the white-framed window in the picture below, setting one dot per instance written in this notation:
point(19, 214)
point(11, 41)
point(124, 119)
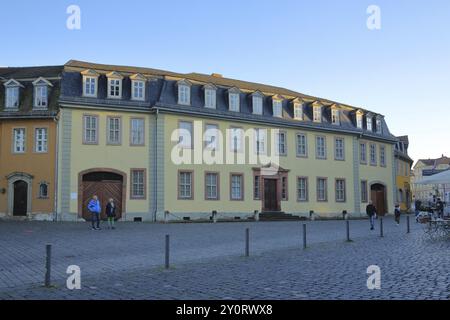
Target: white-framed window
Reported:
point(114, 130)
point(364, 192)
point(41, 140)
point(19, 140)
point(41, 96)
point(335, 119)
point(236, 136)
point(369, 123)
point(137, 184)
point(43, 190)
point(137, 132)
point(281, 148)
point(138, 90)
point(379, 126)
point(236, 187)
point(234, 101)
point(298, 111)
point(277, 108)
point(12, 98)
point(317, 114)
point(302, 145)
point(260, 141)
point(210, 98)
point(184, 94)
point(340, 190)
point(211, 186)
point(90, 86)
point(115, 88)
point(359, 120)
point(284, 189)
point(90, 134)
point(185, 135)
point(362, 153)
point(339, 149)
point(321, 148)
point(257, 187)
point(185, 185)
point(383, 156)
point(373, 154)
point(322, 194)
point(302, 189)
point(212, 137)
point(257, 103)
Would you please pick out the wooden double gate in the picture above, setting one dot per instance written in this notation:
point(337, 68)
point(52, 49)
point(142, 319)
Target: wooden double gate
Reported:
point(104, 185)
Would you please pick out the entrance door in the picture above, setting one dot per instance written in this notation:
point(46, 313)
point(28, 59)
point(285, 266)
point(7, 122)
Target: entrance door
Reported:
point(105, 185)
point(270, 195)
point(378, 196)
point(20, 198)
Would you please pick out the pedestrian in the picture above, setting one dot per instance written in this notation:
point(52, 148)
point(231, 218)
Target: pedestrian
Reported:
point(111, 213)
point(418, 207)
point(397, 214)
point(439, 208)
point(95, 209)
point(371, 212)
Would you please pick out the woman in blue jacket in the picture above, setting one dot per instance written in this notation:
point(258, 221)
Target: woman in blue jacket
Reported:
point(95, 209)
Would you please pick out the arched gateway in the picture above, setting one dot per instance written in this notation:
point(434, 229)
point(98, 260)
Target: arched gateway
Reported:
point(378, 197)
point(105, 183)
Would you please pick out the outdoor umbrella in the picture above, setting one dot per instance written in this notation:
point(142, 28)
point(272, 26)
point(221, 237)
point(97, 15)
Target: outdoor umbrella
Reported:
point(439, 178)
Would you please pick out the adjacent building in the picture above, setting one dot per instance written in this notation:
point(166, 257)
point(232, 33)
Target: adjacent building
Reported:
point(175, 146)
point(427, 167)
point(28, 141)
point(403, 164)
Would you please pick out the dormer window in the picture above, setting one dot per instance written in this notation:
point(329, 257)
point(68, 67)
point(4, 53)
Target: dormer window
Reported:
point(210, 96)
point(138, 87)
point(335, 116)
point(317, 113)
point(184, 92)
point(257, 103)
point(298, 111)
point(234, 99)
point(12, 94)
point(41, 93)
point(369, 123)
point(277, 107)
point(90, 83)
point(379, 126)
point(114, 85)
point(359, 119)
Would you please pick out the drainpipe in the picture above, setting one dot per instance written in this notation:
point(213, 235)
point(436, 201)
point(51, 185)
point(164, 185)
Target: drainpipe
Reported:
point(155, 172)
point(55, 192)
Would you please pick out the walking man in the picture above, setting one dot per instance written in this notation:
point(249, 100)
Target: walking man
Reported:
point(439, 208)
point(397, 214)
point(417, 205)
point(371, 212)
point(95, 209)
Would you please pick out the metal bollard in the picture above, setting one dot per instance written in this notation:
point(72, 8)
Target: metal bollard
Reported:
point(381, 227)
point(48, 260)
point(408, 225)
point(304, 236)
point(348, 231)
point(247, 242)
point(167, 264)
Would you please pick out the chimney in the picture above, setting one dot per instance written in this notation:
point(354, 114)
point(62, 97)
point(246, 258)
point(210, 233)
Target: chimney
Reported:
point(217, 75)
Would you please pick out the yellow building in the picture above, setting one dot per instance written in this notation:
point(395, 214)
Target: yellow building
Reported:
point(179, 146)
point(403, 164)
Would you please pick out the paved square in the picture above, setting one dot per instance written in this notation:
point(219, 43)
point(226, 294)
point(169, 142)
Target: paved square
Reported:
point(208, 261)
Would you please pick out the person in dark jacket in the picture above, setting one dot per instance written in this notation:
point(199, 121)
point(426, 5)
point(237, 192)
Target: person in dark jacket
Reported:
point(397, 214)
point(371, 212)
point(439, 208)
point(95, 209)
point(111, 213)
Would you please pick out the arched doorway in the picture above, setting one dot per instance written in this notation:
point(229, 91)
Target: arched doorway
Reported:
point(378, 197)
point(19, 194)
point(105, 183)
point(20, 203)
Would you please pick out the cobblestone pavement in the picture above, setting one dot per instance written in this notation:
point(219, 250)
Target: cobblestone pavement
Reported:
point(208, 262)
